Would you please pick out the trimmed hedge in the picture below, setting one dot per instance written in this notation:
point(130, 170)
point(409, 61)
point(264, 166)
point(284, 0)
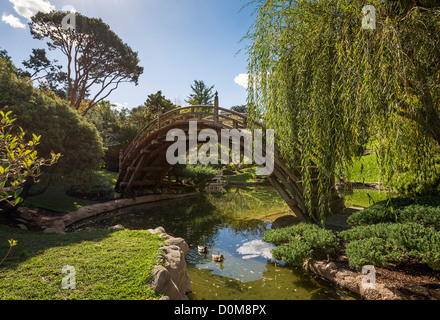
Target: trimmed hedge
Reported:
point(390, 243)
point(300, 242)
point(375, 251)
point(424, 210)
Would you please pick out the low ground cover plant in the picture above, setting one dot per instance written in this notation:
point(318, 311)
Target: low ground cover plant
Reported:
point(388, 233)
point(300, 242)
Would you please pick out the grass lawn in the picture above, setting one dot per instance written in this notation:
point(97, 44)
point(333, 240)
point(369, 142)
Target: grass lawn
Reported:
point(364, 198)
point(241, 177)
point(365, 169)
point(109, 265)
point(55, 198)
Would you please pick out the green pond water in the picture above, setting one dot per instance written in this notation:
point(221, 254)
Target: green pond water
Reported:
point(231, 224)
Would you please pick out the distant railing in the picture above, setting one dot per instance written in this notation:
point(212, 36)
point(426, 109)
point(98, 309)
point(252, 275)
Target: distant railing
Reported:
point(227, 118)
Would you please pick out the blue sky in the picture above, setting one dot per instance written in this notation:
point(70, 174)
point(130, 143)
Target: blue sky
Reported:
point(178, 41)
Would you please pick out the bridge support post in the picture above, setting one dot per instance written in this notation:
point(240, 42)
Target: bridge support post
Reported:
point(121, 160)
point(216, 106)
point(159, 114)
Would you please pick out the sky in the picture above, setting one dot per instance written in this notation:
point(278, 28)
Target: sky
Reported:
point(178, 41)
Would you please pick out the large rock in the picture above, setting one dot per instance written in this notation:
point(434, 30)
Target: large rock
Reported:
point(179, 242)
point(435, 293)
point(419, 290)
point(172, 280)
point(285, 221)
point(352, 281)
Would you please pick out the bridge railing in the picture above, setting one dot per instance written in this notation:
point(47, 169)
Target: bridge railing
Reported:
point(225, 117)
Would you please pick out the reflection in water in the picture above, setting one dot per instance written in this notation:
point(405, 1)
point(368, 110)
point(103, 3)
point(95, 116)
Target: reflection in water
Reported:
point(256, 248)
point(232, 225)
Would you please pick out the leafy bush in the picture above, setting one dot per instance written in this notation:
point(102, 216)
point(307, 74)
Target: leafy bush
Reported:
point(381, 230)
point(302, 241)
point(398, 239)
point(294, 252)
point(197, 176)
point(375, 251)
point(424, 210)
point(427, 216)
point(62, 129)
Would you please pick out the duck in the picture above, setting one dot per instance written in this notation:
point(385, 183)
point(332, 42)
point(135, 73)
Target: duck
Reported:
point(218, 258)
point(202, 249)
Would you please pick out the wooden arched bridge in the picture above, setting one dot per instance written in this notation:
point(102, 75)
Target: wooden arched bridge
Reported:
point(144, 164)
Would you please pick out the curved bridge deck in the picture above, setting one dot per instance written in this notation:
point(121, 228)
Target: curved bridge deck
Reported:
point(144, 164)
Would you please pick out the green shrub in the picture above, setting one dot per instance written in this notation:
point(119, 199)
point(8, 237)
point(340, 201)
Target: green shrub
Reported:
point(197, 176)
point(294, 252)
point(424, 210)
point(281, 236)
point(375, 251)
point(381, 230)
point(322, 241)
point(428, 216)
point(302, 241)
point(400, 239)
point(377, 213)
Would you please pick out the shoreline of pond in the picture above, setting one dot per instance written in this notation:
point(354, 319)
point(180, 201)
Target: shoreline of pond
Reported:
point(106, 210)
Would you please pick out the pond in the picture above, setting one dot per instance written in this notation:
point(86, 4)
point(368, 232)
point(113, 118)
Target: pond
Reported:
point(231, 224)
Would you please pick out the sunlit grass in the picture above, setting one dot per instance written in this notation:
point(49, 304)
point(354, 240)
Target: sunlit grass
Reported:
point(108, 265)
point(365, 169)
point(365, 198)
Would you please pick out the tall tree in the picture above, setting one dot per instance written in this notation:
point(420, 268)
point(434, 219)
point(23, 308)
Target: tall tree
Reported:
point(154, 104)
point(327, 84)
point(157, 102)
point(97, 59)
point(61, 128)
point(201, 94)
point(242, 109)
point(47, 73)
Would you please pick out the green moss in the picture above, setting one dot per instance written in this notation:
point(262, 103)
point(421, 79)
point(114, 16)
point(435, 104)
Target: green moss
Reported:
point(423, 210)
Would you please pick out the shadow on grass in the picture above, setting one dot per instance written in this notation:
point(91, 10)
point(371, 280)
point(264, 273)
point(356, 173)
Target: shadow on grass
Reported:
point(31, 244)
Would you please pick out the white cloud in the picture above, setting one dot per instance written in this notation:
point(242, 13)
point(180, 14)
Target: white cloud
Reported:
point(242, 80)
point(28, 8)
point(13, 21)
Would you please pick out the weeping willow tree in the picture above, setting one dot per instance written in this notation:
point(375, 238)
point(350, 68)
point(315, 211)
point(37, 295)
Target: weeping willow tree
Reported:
point(328, 85)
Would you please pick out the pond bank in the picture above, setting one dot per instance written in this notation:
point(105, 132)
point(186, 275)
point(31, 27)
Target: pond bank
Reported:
point(170, 278)
point(51, 222)
point(387, 287)
point(410, 282)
